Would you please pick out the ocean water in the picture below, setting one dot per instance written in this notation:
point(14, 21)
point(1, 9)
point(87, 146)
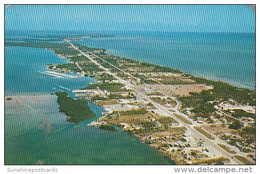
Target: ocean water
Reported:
point(228, 57)
point(27, 138)
point(25, 68)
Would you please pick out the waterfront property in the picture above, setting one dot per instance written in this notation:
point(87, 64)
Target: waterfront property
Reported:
point(188, 119)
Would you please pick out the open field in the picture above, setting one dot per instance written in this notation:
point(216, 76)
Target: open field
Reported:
point(107, 102)
point(181, 90)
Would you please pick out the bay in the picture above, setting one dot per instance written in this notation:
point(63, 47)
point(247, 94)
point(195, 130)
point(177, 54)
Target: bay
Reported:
point(35, 130)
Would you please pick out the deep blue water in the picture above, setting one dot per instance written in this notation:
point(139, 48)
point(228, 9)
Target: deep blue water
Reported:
point(228, 57)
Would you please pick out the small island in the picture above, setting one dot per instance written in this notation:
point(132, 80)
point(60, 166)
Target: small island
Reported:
point(75, 110)
point(106, 127)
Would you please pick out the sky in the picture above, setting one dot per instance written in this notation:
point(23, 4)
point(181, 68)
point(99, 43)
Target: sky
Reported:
point(161, 18)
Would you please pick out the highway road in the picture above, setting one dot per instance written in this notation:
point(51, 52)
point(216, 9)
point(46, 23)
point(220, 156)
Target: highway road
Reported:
point(209, 143)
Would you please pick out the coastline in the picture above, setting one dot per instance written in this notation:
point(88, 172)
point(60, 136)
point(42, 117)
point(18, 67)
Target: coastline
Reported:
point(181, 57)
point(45, 135)
point(209, 76)
point(18, 107)
point(192, 77)
point(201, 76)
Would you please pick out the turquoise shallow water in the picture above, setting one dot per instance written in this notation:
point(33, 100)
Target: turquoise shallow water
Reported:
point(23, 72)
point(27, 141)
point(69, 143)
point(228, 57)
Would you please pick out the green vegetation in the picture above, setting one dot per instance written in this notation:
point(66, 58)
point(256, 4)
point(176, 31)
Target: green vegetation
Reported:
point(221, 92)
point(144, 79)
point(105, 76)
point(63, 49)
point(204, 133)
point(107, 65)
point(90, 67)
point(50, 66)
point(198, 101)
point(204, 109)
point(224, 91)
point(85, 48)
point(106, 127)
point(119, 96)
point(163, 101)
point(240, 144)
point(159, 68)
point(79, 59)
point(248, 130)
point(58, 48)
point(159, 100)
point(165, 121)
point(148, 125)
point(248, 133)
point(235, 125)
point(238, 113)
point(68, 66)
point(201, 104)
point(111, 87)
point(75, 110)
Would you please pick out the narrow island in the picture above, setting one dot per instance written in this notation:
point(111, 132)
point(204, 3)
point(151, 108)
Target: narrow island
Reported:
point(189, 119)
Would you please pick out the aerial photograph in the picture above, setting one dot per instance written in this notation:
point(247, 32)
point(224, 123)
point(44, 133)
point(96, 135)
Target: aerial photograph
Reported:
point(129, 84)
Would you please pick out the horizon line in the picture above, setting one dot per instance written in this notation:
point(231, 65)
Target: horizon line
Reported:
point(98, 31)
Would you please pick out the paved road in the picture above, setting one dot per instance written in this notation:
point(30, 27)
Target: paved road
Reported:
point(210, 144)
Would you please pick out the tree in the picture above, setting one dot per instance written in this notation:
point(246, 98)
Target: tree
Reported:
point(235, 125)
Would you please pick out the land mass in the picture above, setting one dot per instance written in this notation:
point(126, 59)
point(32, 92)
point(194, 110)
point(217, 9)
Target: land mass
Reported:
point(189, 119)
point(75, 110)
